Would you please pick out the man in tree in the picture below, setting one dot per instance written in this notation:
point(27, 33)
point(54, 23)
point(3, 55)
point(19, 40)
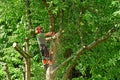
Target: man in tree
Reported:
point(42, 46)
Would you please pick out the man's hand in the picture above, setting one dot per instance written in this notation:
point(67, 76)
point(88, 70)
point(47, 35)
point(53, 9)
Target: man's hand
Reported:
point(49, 34)
point(53, 33)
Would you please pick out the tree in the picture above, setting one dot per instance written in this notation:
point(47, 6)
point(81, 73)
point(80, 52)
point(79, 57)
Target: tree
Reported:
point(88, 30)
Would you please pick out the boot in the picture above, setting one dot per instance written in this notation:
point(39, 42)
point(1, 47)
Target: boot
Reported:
point(50, 62)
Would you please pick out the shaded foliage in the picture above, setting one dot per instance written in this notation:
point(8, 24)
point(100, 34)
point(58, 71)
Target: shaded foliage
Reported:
point(83, 22)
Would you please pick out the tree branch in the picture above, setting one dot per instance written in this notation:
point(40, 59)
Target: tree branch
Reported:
point(67, 72)
point(90, 46)
point(23, 53)
point(66, 61)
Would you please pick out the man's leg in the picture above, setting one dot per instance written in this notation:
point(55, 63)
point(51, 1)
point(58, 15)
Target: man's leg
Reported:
point(44, 61)
point(47, 55)
point(50, 62)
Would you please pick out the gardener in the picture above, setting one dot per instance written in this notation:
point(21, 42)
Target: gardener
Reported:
point(42, 45)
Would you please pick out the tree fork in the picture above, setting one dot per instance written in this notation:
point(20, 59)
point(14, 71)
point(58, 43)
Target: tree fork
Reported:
point(51, 17)
point(79, 52)
point(23, 53)
point(90, 46)
point(26, 58)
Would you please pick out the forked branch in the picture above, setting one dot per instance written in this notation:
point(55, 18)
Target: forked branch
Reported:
point(23, 53)
point(90, 46)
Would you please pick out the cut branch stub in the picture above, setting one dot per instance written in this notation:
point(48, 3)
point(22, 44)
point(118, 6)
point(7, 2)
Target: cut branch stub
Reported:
point(14, 45)
point(23, 53)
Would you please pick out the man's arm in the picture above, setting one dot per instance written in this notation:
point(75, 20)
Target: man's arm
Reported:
point(52, 37)
point(49, 34)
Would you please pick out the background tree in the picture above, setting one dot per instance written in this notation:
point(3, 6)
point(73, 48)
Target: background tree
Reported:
point(90, 28)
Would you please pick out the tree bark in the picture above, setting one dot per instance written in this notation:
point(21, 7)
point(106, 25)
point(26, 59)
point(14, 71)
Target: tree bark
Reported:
point(49, 75)
point(27, 69)
point(28, 27)
point(27, 60)
point(7, 71)
point(67, 72)
point(23, 70)
point(26, 57)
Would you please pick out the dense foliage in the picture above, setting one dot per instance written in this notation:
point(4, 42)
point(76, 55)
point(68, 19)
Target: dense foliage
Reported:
point(83, 22)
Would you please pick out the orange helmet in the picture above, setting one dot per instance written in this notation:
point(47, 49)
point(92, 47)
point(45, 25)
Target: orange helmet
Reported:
point(38, 30)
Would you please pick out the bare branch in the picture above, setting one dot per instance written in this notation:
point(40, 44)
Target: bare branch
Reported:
point(66, 61)
point(23, 53)
point(90, 46)
point(67, 72)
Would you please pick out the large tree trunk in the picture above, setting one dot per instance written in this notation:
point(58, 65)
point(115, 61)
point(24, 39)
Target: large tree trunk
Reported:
point(28, 27)
point(49, 75)
point(23, 71)
point(27, 60)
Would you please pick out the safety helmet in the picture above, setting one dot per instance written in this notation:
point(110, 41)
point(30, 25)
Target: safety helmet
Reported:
point(38, 30)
